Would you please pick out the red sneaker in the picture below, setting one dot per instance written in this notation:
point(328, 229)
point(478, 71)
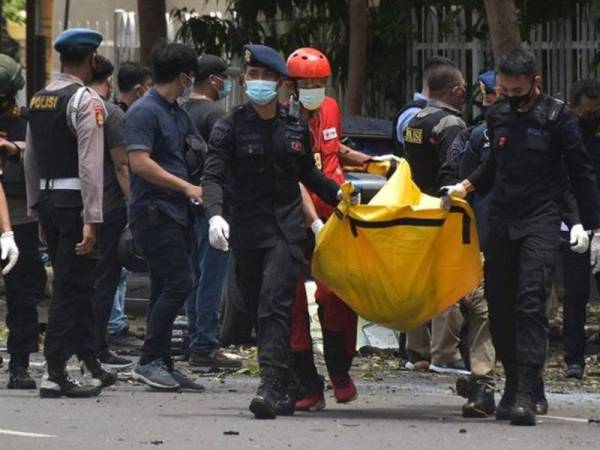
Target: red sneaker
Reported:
point(344, 389)
point(311, 402)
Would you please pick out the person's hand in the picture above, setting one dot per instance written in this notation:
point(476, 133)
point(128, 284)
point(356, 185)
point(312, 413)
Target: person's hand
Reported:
point(317, 226)
point(384, 158)
point(10, 250)
point(9, 146)
point(194, 193)
point(88, 240)
point(458, 190)
point(355, 197)
point(579, 239)
point(218, 233)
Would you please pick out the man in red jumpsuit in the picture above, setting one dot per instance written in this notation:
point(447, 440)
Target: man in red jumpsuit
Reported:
point(309, 70)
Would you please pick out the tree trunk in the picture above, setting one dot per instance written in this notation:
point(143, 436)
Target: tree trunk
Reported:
point(153, 26)
point(504, 26)
point(357, 57)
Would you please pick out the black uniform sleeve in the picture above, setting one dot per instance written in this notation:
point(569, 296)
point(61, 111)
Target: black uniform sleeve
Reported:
point(580, 168)
point(470, 161)
point(314, 179)
point(568, 207)
point(449, 172)
point(221, 150)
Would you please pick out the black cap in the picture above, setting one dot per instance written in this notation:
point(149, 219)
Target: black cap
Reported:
point(207, 65)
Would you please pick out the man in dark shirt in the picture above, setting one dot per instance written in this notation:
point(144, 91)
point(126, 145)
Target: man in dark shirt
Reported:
point(268, 152)
point(213, 83)
point(585, 103)
point(116, 186)
point(157, 130)
point(133, 81)
point(531, 134)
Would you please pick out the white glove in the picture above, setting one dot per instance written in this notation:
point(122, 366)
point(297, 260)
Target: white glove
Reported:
point(317, 226)
point(595, 253)
point(458, 190)
point(385, 158)
point(354, 198)
point(218, 233)
point(579, 239)
point(9, 250)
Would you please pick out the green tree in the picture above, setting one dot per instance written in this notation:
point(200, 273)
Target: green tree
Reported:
point(13, 10)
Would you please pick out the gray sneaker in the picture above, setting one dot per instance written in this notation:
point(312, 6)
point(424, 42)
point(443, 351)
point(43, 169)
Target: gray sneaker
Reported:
point(155, 374)
point(186, 383)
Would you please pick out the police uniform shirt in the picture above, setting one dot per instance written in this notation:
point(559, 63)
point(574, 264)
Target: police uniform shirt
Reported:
point(13, 127)
point(267, 158)
point(525, 168)
point(90, 117)
point(154, 125)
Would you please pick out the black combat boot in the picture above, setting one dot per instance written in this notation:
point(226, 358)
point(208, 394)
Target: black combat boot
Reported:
point(102, 377)
point(507, 401)
point(541, 404)
point(56, 383)
point(263, 405)
point(480, 403)
point(523, 413)
point(18, 372)
point(288, 389)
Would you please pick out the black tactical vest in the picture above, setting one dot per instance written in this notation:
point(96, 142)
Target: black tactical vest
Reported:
point(55, 144)
point(422, 149)
point(398, 147)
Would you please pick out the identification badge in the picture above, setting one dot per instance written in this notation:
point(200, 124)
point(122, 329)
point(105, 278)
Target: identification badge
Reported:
point(329, 134)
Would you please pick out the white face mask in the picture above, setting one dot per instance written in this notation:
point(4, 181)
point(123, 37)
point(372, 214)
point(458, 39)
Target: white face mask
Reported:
point(311, 99)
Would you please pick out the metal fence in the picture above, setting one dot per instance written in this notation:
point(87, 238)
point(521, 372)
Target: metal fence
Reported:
point(565, 48)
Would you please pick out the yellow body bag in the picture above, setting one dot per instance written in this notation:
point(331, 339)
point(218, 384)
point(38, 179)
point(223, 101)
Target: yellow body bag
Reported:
point(401, 259)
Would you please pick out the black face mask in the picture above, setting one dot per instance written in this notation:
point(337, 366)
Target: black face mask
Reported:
point(589, 125)
point(519, 101)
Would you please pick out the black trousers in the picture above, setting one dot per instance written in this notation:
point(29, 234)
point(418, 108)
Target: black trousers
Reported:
point(267, 280)
point(518, 279)
point(70, 319)
point(24, 290)
point(166, 245)
point(108, 272)
point(576, 279)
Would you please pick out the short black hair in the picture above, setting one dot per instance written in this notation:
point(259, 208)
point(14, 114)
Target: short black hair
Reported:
point(443, 77)
point(589, 87)
point(169, 59)
point(130, 74)
point(433, 63)
point(75, 55)
point(518, 62)
point(104, 69)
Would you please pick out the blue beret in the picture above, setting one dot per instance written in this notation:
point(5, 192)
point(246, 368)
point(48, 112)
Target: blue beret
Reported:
point(488, 79)
point(263, 56)
point(77, 36)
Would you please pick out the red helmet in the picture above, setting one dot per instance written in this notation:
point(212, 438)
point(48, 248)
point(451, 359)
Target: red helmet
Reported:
point(308, 63)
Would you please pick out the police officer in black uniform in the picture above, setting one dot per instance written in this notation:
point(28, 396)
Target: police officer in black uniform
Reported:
point(267, 149)
point(531, 134)
point(25, 283)
point(64, 173)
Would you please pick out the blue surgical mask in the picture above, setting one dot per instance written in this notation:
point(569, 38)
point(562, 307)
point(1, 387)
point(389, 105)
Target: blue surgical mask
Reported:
point(311, 99)
point(261, 92)
point(187, 89)
point(227, 88)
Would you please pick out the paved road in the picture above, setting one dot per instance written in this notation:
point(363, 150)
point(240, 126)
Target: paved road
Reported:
point(404, 411)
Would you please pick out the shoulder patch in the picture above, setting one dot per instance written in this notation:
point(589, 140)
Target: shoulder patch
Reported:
point(99, 115)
